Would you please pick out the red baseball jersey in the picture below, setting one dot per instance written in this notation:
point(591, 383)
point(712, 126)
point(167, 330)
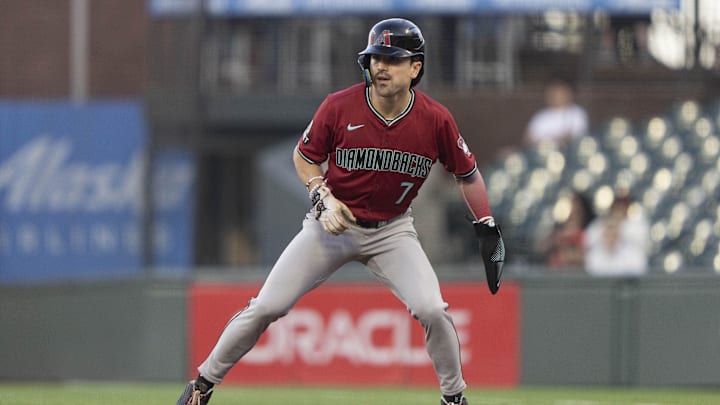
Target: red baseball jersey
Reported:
point(376, 166)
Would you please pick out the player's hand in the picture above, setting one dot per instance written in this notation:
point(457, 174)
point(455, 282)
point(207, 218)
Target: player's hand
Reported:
point(332, 213)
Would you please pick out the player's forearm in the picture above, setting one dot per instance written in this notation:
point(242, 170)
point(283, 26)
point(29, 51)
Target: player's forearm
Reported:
point(474, 192)
point(310, 174)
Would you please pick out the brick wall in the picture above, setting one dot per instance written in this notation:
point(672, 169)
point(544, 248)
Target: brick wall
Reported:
point(117, 47)
point(35, 48)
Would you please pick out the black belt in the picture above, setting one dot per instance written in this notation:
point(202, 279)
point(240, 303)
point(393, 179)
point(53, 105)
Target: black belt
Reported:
point(371, 224)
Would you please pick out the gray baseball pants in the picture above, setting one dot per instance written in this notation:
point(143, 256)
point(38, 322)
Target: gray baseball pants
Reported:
point(394, 256)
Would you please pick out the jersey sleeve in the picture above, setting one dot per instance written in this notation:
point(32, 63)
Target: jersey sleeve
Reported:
point(455, 155)
point(315, 143)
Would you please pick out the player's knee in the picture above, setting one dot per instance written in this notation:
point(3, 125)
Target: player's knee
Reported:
point(431, 313)
point(268, 311)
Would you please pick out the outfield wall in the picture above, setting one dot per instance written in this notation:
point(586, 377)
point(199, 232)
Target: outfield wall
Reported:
point(553, 330)
point(649, 331)
point(104, 331)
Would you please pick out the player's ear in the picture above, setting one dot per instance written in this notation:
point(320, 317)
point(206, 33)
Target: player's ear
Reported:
point(416, 67)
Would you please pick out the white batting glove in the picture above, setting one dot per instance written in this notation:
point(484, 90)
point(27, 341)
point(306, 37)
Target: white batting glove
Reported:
point(332, 213)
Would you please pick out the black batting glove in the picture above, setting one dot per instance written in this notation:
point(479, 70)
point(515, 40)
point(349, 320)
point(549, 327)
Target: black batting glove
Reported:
point(492, 251)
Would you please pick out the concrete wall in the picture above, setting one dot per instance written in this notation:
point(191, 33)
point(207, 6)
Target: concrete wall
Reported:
point(649, 331)
point(118, 331)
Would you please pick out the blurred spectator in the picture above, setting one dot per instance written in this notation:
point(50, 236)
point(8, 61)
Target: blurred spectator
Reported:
point(605, 54)
point(617, 244)
point(562, 119)
point(564, 248)
point(631, 39)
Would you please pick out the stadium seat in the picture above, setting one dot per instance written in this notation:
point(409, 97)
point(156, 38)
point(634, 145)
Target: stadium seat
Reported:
point(671, 261)
point(710, 182)
point(656, 129)
point(615, 130)
point(641, 166)
point(685, 114)
point(579, 151)
point(670, 148)
point(627, 147)
point(702, 129)
point(702, 243)
point(708, 151)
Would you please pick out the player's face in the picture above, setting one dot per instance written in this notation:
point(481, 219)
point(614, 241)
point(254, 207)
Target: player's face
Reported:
point(392, 75)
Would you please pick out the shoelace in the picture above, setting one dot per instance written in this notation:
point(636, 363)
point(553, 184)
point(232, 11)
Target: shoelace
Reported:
point(196, 397)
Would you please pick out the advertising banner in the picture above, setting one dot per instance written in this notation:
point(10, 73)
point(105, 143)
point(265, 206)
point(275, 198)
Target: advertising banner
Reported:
point(71, 193)
point(290, 8)
point(360, 334)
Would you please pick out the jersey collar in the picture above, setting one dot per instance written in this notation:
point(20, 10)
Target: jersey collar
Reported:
point(396, 119)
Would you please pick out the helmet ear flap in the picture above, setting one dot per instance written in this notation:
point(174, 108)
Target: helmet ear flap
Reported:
point(368, 78)
point(364, 62)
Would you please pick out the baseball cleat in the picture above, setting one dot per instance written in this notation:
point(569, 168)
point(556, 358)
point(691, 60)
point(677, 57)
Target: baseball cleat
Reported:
point(463, 401)
point(194, 394)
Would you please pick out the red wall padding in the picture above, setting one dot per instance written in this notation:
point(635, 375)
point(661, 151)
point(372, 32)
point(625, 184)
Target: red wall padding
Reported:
point(360, 334)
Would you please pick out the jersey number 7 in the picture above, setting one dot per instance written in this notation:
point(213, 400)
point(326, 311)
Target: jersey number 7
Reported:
point(407, 185)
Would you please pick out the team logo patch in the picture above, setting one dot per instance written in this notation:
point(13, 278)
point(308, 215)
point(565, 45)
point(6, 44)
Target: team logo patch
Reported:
point(463, 146)
point(386, 38)
point(306, 133)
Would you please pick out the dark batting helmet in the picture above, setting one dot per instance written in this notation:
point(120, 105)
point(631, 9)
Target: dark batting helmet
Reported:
point(395, 37)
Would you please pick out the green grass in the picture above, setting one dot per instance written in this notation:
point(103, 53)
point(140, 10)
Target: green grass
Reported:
point(92, 393)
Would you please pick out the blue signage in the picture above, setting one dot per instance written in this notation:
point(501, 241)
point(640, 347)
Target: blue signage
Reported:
point(289, 8)
point(71, 200)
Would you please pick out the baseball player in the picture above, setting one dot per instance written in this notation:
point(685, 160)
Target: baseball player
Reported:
point(379, 140)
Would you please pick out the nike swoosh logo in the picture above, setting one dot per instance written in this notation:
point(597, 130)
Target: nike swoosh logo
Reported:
point(354, 127)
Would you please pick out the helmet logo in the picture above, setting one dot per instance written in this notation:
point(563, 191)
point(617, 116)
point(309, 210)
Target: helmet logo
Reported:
point(386, 38)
